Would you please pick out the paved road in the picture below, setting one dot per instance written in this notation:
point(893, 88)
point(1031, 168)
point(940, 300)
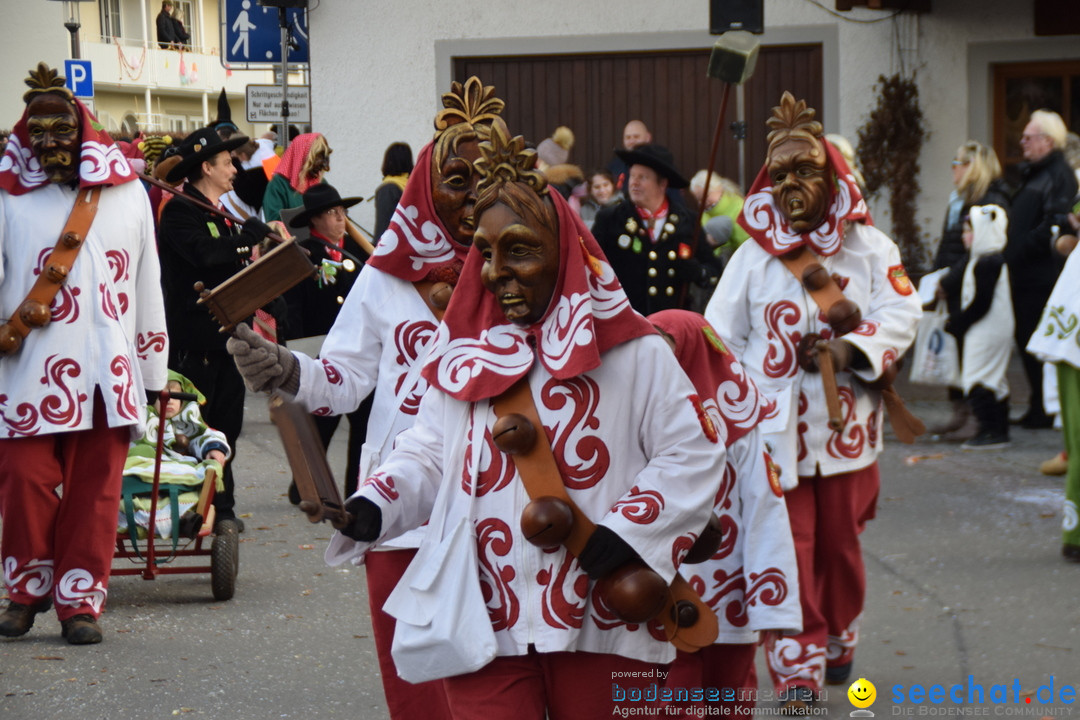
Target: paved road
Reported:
point(965, 578)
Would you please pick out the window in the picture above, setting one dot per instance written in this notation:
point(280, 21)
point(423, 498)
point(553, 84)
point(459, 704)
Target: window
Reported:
point(110, 20)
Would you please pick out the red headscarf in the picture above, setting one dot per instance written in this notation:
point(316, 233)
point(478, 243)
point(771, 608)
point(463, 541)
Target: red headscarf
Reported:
point(763, 220)
point(718, 377)
point(416, 242)
point(292, 161)
point(100, 161)
point(477, 353)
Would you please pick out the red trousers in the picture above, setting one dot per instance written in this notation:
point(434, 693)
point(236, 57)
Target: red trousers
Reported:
point(725, 670)
point(62, 543)
point(556, 686)
point(827, 516)
point(405, 701)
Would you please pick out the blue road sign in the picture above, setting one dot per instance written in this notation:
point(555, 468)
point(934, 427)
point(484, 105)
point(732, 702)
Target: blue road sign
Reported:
point(80, 78)
point(251, 35)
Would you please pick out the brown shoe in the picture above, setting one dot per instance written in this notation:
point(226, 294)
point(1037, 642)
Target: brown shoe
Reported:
point(1057, 465)
point(81, 630)
point(17, 619)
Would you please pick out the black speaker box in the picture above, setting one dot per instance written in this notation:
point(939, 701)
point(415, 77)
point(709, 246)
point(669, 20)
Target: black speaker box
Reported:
point(748, 15)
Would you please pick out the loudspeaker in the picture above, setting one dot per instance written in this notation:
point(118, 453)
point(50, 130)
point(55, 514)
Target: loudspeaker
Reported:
point(748, 15)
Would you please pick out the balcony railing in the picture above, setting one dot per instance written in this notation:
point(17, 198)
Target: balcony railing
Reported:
point(138, 65)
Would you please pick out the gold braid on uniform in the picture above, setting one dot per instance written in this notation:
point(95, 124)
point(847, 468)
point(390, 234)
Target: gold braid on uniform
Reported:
point(793, 120)
point(45, 79)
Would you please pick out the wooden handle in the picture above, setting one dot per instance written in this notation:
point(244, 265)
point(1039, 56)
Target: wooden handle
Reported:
point(832, 395)
point(355, 234)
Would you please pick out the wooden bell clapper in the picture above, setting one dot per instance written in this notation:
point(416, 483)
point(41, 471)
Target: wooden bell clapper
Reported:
point(320, 497)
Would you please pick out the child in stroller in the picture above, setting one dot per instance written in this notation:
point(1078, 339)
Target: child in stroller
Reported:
point(190, 449)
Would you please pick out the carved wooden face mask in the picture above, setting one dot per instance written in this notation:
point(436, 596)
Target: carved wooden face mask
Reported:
point(53, 127)
point(800, 185)
point(521, 263)
point(453, 189)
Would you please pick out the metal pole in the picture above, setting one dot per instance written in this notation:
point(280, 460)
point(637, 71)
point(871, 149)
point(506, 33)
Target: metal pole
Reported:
point(283, 23)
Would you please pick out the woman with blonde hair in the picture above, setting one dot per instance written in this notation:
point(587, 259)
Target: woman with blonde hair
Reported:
point(976, 181)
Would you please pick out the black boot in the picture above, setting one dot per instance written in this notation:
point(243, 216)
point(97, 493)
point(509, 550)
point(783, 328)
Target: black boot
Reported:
point(993, 431)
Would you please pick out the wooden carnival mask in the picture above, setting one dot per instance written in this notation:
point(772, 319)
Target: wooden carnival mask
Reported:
point(465, 121)
point(517, 230)
point(53, 125)
point(797, 165)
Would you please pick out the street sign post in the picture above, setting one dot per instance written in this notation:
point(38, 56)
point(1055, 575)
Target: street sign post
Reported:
point(251, 36)
point(79, 78)
point(264, 103)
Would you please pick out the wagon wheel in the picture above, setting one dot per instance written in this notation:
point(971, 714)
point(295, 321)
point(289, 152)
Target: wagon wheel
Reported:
point(224, 560)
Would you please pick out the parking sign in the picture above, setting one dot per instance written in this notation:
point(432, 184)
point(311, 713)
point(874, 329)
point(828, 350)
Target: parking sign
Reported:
point(80, 78)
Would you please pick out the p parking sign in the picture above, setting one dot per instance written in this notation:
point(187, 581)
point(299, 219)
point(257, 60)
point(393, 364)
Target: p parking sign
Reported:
point(79, 78)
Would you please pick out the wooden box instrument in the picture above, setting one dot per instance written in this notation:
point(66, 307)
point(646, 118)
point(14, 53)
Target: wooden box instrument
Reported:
point(237, 299)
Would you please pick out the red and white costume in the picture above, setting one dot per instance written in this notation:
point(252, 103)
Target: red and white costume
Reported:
point(762, 310)
point(72, 397)
point(625, 433)
point(384, 329)
point(751, 582)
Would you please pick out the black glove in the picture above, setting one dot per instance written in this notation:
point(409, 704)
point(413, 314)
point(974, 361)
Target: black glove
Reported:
point(603, 552)
point(366, 523)
point(256, 230)
point(689, 270)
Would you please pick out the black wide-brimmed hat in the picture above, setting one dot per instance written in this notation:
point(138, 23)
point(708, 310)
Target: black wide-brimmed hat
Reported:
point(318, 198)
point(657, 157)
point(201, 145)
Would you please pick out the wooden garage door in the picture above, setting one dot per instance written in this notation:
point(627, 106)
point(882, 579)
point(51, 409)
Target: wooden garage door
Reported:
point(596, 94)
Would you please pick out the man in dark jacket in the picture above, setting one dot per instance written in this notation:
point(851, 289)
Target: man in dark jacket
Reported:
point(648, 240)
point(166, 29)
point(198, 246)
point(1042, 201)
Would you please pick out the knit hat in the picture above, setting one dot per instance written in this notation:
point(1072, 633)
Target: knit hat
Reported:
point(555, 150)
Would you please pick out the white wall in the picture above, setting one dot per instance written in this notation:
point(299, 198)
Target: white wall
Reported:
point(33, 32)
point(378, 68)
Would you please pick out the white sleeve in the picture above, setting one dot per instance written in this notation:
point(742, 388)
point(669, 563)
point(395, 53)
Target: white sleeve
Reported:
point(348, 365)
point(893, 315)
point(681, 469)
point(151, 335)
point(768, 551)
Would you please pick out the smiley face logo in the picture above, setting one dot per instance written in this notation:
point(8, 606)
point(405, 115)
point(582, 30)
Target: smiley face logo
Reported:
point(862, 693)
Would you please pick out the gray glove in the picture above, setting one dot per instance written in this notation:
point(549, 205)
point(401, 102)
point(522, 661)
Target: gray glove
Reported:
point(264, 365)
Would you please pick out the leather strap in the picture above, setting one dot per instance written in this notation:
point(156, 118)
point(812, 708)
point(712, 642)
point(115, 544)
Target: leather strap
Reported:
point(540, 475)
point(797, 261)
point(905, 425)
point(57, 267)
point(424, 288)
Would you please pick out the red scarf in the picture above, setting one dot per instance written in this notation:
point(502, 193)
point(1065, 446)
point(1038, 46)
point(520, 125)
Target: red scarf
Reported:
point(718, 377)
point(292, 162)
point(652, 219)
point(330, 252)
point(477, 353)
point(100, 160)
point(762, 219)
point(416, 245)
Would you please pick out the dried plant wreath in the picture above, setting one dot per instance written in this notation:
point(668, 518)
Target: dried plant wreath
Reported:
point(889, 146)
